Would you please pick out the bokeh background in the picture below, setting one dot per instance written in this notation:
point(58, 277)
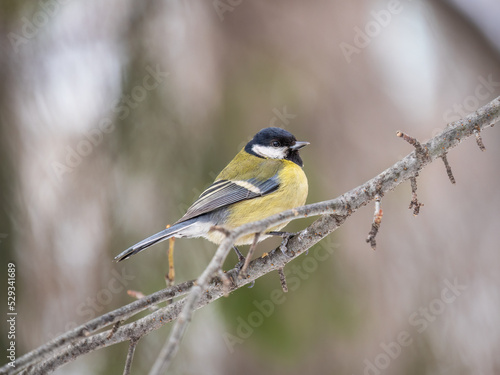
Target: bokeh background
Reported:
point(115, 115)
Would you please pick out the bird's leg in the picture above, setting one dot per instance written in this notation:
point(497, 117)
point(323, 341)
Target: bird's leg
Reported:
point(243, 270)
point(241, 263)
point(286, 237)
point(241, 258)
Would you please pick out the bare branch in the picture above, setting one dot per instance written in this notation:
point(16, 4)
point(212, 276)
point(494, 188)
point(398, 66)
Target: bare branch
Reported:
point(130, 356)
point(453, 135)
point(257, 268)
point(84, 331)
point(422, 151)
point(209, 288)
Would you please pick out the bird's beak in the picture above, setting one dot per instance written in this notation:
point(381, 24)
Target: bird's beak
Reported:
point(298, 145)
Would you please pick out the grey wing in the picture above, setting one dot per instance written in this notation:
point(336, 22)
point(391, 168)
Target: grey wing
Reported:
point(224, 192)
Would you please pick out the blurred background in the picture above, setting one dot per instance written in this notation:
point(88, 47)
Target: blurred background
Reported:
point(115, 115)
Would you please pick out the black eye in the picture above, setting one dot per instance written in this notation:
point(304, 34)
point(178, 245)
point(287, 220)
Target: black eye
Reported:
point(276, 144)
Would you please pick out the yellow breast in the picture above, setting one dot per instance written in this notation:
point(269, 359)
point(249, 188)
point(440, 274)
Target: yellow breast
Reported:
point(291, 193)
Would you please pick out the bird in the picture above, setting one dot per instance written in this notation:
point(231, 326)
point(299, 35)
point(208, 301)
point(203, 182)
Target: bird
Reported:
point(265, 178)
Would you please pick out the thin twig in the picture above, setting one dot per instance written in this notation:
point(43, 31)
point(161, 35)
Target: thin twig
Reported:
point(448, 168)
point(377, 220)
point(415, 204)
point(284, 286)
point(422, 151)
point(479, 139)
point(163, 361)
point(83, 331)
point(172, 345)
point(137, 294)
point(130, 356)
point(170, 276)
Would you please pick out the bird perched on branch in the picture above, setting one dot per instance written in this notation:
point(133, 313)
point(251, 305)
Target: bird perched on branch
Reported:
point(263, 179)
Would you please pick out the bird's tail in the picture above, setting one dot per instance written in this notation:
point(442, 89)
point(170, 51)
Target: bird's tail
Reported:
point(150, 241)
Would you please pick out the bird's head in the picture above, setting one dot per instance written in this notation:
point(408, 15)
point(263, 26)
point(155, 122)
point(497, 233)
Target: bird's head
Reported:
point(276, 143)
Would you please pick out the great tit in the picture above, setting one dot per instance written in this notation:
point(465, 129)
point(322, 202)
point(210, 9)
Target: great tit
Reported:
point(263, 179)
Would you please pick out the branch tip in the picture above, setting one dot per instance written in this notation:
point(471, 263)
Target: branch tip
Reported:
point(170, 276)
point(422, 151)
point(284, 286)
point(135, 294)
point(415, 204)
point(130, 356)
point(377, 220)
point(479, 139)
point(448, 168)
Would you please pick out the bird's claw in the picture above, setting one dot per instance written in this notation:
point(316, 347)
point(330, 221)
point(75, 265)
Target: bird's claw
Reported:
point(284, 243)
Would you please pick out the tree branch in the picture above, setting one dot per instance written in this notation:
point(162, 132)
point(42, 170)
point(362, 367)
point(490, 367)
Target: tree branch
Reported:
point(130, 356)
point(208, 287)
point(93, 325)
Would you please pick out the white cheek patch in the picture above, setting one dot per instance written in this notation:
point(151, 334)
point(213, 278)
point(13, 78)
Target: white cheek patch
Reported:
point(270, 152)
